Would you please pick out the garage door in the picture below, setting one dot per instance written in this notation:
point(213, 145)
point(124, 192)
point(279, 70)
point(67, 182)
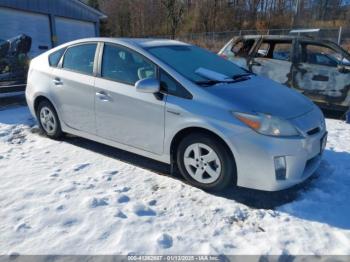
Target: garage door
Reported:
point(70, 29)
point(37, 26)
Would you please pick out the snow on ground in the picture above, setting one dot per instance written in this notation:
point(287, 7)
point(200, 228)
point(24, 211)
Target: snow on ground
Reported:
point(78, 197)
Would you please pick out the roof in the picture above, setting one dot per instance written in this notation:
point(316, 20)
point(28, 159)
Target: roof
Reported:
point(274, 37)
point(287, 37)
point(149, 42)
point(135, 43)
point(65, 8)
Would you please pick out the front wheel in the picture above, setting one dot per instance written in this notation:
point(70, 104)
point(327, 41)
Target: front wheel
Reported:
point(205, 162)
point(48, 120)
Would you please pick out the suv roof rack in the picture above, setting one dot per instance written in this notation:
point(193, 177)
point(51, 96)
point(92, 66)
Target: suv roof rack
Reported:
point(302, 31)
point(305, 32)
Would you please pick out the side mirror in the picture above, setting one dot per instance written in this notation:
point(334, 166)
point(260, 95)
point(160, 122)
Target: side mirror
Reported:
point(148, 85)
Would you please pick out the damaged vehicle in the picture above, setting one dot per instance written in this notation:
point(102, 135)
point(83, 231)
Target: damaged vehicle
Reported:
point(14, 63)
point(319, 69)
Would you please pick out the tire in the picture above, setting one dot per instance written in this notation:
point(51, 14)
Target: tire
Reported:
point(206, 162)
point(48, 120)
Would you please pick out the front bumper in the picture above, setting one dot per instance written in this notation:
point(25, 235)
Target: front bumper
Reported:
point(255, 159)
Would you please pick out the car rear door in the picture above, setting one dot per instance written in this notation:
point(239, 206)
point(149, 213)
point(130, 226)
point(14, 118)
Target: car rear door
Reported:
point(73, 87)
point(273, 59)
point(319, 74)
point(123, 114)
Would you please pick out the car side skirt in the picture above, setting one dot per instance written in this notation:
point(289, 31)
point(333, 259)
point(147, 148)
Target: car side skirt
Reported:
point(165, 158)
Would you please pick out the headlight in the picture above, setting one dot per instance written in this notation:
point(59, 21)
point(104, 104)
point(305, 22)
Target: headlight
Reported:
point(267, 124)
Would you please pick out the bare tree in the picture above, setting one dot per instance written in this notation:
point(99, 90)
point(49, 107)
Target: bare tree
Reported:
point(176, 17)
point(174, 12)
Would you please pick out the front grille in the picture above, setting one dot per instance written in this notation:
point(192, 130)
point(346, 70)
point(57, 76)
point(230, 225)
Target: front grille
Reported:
point(313, 131)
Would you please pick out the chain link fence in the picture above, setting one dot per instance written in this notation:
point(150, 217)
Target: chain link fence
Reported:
point(216, 40)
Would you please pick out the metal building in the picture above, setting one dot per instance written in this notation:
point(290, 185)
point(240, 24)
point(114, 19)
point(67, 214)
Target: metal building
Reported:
point(48, 22)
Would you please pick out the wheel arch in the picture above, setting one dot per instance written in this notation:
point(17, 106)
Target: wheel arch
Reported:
point(181, 134)
point(42, 97)
point(38, 100)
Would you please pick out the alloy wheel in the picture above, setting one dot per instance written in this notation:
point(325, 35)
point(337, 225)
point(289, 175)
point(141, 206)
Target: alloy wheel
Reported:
point(202, 163)
point(47, 120)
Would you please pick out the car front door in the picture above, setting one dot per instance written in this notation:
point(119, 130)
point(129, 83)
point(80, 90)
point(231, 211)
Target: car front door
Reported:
point(273, 59)
point(123, 114)
point(73, 87)
point(319, 73)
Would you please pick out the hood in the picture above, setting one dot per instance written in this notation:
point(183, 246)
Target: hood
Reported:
point(259, 94)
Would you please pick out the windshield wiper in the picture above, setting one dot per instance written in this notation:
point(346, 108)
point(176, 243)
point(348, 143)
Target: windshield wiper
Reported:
point(239, 76)
point(208, 82)
point(235, 79)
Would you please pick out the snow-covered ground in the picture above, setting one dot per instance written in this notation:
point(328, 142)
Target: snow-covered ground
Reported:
point(79, 197)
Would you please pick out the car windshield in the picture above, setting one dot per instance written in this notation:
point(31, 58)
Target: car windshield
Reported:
point(188, 60)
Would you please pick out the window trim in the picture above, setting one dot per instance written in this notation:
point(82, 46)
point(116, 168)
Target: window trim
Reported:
point(100, 61)
point(59, 60)
point(60, 64)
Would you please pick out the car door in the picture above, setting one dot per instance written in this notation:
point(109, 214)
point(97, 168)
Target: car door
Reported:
point(123, 114)
point(73, 87)
point(273, 59)
point(320, 75)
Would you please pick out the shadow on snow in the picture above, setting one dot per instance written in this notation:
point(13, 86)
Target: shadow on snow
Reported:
point(322, 198)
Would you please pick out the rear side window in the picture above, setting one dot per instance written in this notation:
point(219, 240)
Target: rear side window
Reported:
point(80, 58)
point(275, 50)
point(55, 57)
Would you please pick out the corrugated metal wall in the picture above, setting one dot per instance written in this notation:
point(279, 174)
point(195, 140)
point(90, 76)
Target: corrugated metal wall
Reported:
point(64, 8)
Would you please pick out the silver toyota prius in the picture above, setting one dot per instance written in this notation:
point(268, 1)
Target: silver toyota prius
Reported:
point(219, 124)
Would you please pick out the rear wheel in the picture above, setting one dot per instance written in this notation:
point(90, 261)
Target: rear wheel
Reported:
point(48, 120)
point(205, 162)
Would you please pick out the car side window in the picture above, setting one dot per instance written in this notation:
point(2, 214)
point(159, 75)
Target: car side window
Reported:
point(282, 51)
point(275, 50)
point(55, 57)
point(172, 87)
point(319, 55)
point(80, 58)
point(242, 47)
point(122, 65)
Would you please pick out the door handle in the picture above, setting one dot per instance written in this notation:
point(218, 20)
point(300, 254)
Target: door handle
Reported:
point(57, 81)
point(103, 96)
